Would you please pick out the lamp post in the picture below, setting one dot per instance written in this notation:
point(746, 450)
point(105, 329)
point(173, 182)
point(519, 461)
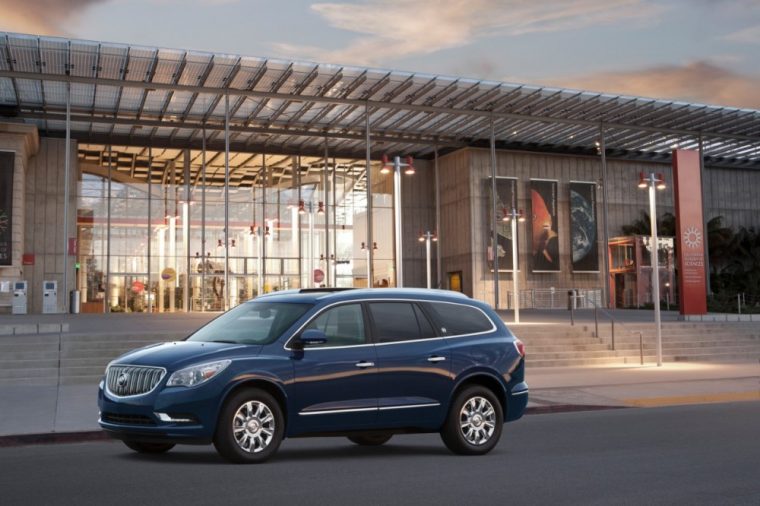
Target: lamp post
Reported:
point(427, 238)
point(513, 216)
point(654, 182)
point(396, 166)
point(305, 207)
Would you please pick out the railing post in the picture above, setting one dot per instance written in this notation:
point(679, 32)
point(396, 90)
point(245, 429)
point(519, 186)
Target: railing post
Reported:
point(613, 334)
point(739, 302)
point(641, 347)
point(596, 323)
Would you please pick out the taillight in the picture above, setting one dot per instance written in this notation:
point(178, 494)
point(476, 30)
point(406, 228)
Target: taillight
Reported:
point(520, 347)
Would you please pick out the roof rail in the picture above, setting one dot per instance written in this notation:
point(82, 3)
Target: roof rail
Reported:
point(323, 290)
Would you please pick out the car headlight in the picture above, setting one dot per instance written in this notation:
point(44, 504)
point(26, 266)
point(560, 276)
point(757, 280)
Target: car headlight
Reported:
point(197, 374)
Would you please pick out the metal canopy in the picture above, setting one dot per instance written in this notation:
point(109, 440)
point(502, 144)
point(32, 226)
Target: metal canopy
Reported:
point(165, 97)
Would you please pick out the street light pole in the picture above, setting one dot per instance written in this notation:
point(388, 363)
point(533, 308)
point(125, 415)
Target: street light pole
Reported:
point(513, 217)
point(654, 182)
point(427, 238)
point(409, 170)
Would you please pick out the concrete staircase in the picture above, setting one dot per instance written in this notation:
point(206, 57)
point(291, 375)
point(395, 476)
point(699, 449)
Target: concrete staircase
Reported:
point(557, 345)
point(80, 358)
point(46, 359)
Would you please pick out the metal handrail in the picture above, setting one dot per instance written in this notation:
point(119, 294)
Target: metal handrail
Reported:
point(612, 319)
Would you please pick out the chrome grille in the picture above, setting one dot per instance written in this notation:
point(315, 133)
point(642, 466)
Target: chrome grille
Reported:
point(127, 380)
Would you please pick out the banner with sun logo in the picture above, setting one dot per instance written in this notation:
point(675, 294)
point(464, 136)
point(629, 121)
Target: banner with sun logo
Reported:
point(687, 189)
point(6, 206)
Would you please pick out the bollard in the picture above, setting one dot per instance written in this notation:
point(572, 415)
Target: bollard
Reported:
point(641, 347)
point(739, 302)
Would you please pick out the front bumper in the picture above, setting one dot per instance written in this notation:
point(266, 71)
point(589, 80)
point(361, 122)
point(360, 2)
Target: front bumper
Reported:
point(139, 417)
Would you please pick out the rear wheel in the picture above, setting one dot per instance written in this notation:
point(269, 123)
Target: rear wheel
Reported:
point(474, 423)
point(251, 427)
point(154, 448)
point(375, 439)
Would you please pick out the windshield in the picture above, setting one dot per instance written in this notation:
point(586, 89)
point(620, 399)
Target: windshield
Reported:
point(251, 323)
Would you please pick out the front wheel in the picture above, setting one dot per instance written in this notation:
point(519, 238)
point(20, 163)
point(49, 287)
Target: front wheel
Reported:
point(474, 423)
point(148, 448)
point(251, 427)
point(375, 439)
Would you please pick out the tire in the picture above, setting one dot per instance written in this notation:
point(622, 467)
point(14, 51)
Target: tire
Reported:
point(474, 423)
point(372, 439)
point(148, 448)
point(251, 427)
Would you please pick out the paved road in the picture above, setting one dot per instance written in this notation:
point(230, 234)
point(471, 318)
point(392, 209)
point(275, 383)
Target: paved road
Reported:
point(707, 454)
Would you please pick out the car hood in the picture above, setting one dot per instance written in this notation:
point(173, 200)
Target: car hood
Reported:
point(179, 354)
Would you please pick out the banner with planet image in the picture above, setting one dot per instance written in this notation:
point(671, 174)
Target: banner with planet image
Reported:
point(583, 238)
point(506, 199)
point(545, 225)
point(6, 207)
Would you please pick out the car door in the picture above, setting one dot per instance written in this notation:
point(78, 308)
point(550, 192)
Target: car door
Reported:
point(335, 385)
point(414, 379)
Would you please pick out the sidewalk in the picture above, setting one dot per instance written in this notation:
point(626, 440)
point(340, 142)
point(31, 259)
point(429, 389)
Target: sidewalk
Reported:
point(73, 408)
point(644, 386)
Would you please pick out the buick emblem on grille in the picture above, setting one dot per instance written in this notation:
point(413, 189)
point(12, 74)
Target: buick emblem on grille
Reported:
point(122, 379)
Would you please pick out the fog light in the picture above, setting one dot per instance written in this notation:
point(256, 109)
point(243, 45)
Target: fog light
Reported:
point(164, 417)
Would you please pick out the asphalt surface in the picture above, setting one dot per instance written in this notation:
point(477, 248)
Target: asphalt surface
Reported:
point(705, 454)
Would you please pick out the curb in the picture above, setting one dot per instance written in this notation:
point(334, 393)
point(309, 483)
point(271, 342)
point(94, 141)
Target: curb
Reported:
point(568, 408)
point(98, 435)
point(53, 438)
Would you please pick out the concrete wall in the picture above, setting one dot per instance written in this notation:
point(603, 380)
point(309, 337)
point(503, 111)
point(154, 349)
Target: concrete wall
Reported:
point(22, 140)
point(732, 193)
point(44, 219)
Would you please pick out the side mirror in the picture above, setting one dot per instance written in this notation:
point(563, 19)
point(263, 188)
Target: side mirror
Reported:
point(312, 336)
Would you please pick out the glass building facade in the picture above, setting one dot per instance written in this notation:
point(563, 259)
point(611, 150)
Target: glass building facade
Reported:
point(159, 231)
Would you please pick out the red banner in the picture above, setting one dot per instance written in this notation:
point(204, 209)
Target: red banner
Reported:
point(687, 186)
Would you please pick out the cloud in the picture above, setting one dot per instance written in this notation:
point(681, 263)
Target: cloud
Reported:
point(749, 35)
point(701, 82)
point(393, 29)
point(46, 17)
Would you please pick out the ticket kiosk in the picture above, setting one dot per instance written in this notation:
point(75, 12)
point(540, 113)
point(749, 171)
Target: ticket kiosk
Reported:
point(49, 297)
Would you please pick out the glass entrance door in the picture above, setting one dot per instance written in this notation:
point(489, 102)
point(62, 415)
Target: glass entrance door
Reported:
point(129, 293)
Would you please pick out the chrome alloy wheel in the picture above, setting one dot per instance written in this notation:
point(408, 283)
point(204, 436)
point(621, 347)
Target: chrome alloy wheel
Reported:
point(253, 426)
point(477, 420)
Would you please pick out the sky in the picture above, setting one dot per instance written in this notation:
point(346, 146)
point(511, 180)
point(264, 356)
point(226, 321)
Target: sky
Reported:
point(705, 51)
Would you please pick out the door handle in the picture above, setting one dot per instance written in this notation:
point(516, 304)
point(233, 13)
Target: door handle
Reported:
point(436, 358)
point(364, 364)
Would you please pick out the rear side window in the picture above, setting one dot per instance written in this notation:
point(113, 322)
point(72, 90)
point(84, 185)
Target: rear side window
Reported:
point(343, 326)
point(399, 321)
point(458, 319)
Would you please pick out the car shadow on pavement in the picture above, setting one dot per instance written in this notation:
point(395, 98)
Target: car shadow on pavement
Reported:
point(351, 452)
point(207, 455)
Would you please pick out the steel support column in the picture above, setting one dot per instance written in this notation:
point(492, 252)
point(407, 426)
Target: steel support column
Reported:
point(66, 190)
point(494, 232)
point(150, 226)
point(437, 219)
point(368, 175)
point(204, 260)
point(606, 230)
point(226, 202)
point(108, 238)
point(326, 200)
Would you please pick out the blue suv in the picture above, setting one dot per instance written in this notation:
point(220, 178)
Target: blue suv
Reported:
point(361, 363)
